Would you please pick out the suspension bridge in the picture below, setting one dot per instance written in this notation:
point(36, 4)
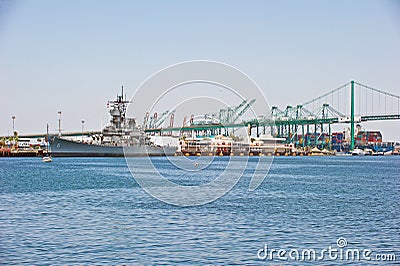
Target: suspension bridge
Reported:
point(351, 103)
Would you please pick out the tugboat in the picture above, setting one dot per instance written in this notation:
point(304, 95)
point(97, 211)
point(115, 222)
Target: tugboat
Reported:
point(121, 137)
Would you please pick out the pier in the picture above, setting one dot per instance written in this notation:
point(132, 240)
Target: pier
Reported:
point(7, 152)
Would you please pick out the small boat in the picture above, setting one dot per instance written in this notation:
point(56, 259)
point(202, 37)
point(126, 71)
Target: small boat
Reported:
point(316, 152)
point(368, 152)
point(357, 152)
point(47, 158)
point(342, 153)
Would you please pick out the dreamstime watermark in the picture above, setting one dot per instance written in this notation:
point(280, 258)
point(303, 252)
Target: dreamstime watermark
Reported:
point(166, 82)
point(340, 252)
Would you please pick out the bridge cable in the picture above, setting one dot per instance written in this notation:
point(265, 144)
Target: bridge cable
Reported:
point(325, 94)
point(376, 90)
point(359, 101)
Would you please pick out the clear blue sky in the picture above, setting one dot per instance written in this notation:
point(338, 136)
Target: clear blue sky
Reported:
point(74, 55)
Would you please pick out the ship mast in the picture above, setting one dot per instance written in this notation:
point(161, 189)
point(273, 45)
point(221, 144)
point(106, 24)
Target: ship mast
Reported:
point(118, 110)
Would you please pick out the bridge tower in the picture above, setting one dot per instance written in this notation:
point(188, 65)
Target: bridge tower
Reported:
point(352, 117)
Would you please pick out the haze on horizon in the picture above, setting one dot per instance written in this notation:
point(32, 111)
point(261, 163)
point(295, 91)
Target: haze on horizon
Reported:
point(75, 55)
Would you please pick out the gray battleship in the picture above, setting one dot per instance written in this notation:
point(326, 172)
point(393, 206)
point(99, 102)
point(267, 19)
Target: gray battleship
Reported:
point(121, 137)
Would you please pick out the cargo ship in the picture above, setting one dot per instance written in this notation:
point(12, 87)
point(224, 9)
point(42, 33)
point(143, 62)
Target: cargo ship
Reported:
point(121, 137)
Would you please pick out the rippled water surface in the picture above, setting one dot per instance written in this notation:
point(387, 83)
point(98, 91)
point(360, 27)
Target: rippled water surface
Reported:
point(91, 211)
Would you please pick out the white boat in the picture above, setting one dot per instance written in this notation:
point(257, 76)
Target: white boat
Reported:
point(368, 152)
point(341, 153)
point(358, 152)
point(47, 159)
point(317, 152)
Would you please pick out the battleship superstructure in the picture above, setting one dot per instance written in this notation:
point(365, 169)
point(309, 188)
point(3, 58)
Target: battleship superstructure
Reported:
point(121, 137)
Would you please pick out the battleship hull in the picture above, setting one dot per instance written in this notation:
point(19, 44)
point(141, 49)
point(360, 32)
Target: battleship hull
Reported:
point(66, 148)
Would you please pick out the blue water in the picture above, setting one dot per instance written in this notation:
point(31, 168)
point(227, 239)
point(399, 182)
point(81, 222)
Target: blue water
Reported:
point(91, 211)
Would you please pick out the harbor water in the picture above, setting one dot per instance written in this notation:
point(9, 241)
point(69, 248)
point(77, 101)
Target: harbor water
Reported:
point(91, 211)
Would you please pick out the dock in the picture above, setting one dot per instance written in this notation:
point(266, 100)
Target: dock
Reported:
point(9, 152)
